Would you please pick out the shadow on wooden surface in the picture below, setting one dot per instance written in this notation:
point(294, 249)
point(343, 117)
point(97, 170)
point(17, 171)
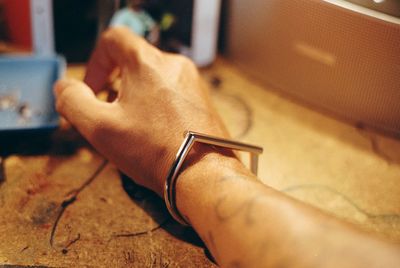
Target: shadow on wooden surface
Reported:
point(155, 207)
point(59, 142)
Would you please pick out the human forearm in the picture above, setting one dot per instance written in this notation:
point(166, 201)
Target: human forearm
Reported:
point(246, 224)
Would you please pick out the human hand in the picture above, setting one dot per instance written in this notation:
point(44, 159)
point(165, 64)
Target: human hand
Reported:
point(161, 96)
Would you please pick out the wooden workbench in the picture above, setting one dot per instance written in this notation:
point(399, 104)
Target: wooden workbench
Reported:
point(66, 206)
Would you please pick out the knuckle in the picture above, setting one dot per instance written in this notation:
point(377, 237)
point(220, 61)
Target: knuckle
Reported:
point(113, 38)
point(187, 65)
point(59, 105)
point(61, 101)
point(122, 41)
point(184, 60)
point(115, 33)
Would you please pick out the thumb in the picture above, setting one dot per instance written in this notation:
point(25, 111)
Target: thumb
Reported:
point(78, 104)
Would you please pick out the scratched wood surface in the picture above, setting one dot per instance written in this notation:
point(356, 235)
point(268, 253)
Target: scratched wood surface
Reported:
point(345, 169)
point(62, 204)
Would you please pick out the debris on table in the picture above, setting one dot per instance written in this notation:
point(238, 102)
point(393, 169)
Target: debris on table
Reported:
point(215, 81)
point(11, 102)
point(25, 111)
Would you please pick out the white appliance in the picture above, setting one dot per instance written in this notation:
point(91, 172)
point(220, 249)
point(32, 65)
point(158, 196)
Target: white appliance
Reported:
point(340, 56)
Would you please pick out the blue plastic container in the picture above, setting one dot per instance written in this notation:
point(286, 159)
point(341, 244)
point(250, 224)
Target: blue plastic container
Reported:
point(26, 93)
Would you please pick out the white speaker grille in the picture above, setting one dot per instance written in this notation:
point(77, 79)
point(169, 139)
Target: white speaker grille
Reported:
point(338, 59)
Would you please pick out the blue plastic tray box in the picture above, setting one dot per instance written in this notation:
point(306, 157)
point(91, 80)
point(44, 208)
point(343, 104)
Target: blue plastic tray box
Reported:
point(26, 92)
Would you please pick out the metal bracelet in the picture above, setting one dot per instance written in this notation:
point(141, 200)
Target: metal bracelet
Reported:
point(190, 138)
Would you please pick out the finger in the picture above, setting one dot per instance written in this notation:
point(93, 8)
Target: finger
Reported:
point(117, 47)
point(78, 104)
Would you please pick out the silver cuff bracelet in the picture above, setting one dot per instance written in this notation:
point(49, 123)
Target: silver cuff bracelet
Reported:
point(190, 138)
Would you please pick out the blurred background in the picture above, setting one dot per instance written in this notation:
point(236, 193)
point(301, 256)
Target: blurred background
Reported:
point(341, 57)
point(316, 83)
point(75, 25)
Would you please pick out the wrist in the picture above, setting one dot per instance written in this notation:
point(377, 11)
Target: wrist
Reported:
point(215, 143)
point(198, 180)
point(201, 154)
point(198, 153)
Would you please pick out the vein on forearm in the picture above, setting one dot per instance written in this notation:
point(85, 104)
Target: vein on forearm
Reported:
point(225, 209)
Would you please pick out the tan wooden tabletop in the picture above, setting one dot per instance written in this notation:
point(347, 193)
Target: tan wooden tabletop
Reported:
point(64, 205)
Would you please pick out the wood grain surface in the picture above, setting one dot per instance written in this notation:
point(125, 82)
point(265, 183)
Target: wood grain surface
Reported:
point(64, 205)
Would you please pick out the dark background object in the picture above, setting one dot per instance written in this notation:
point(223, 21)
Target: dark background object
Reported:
point(182, 29)
point(75, 27)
